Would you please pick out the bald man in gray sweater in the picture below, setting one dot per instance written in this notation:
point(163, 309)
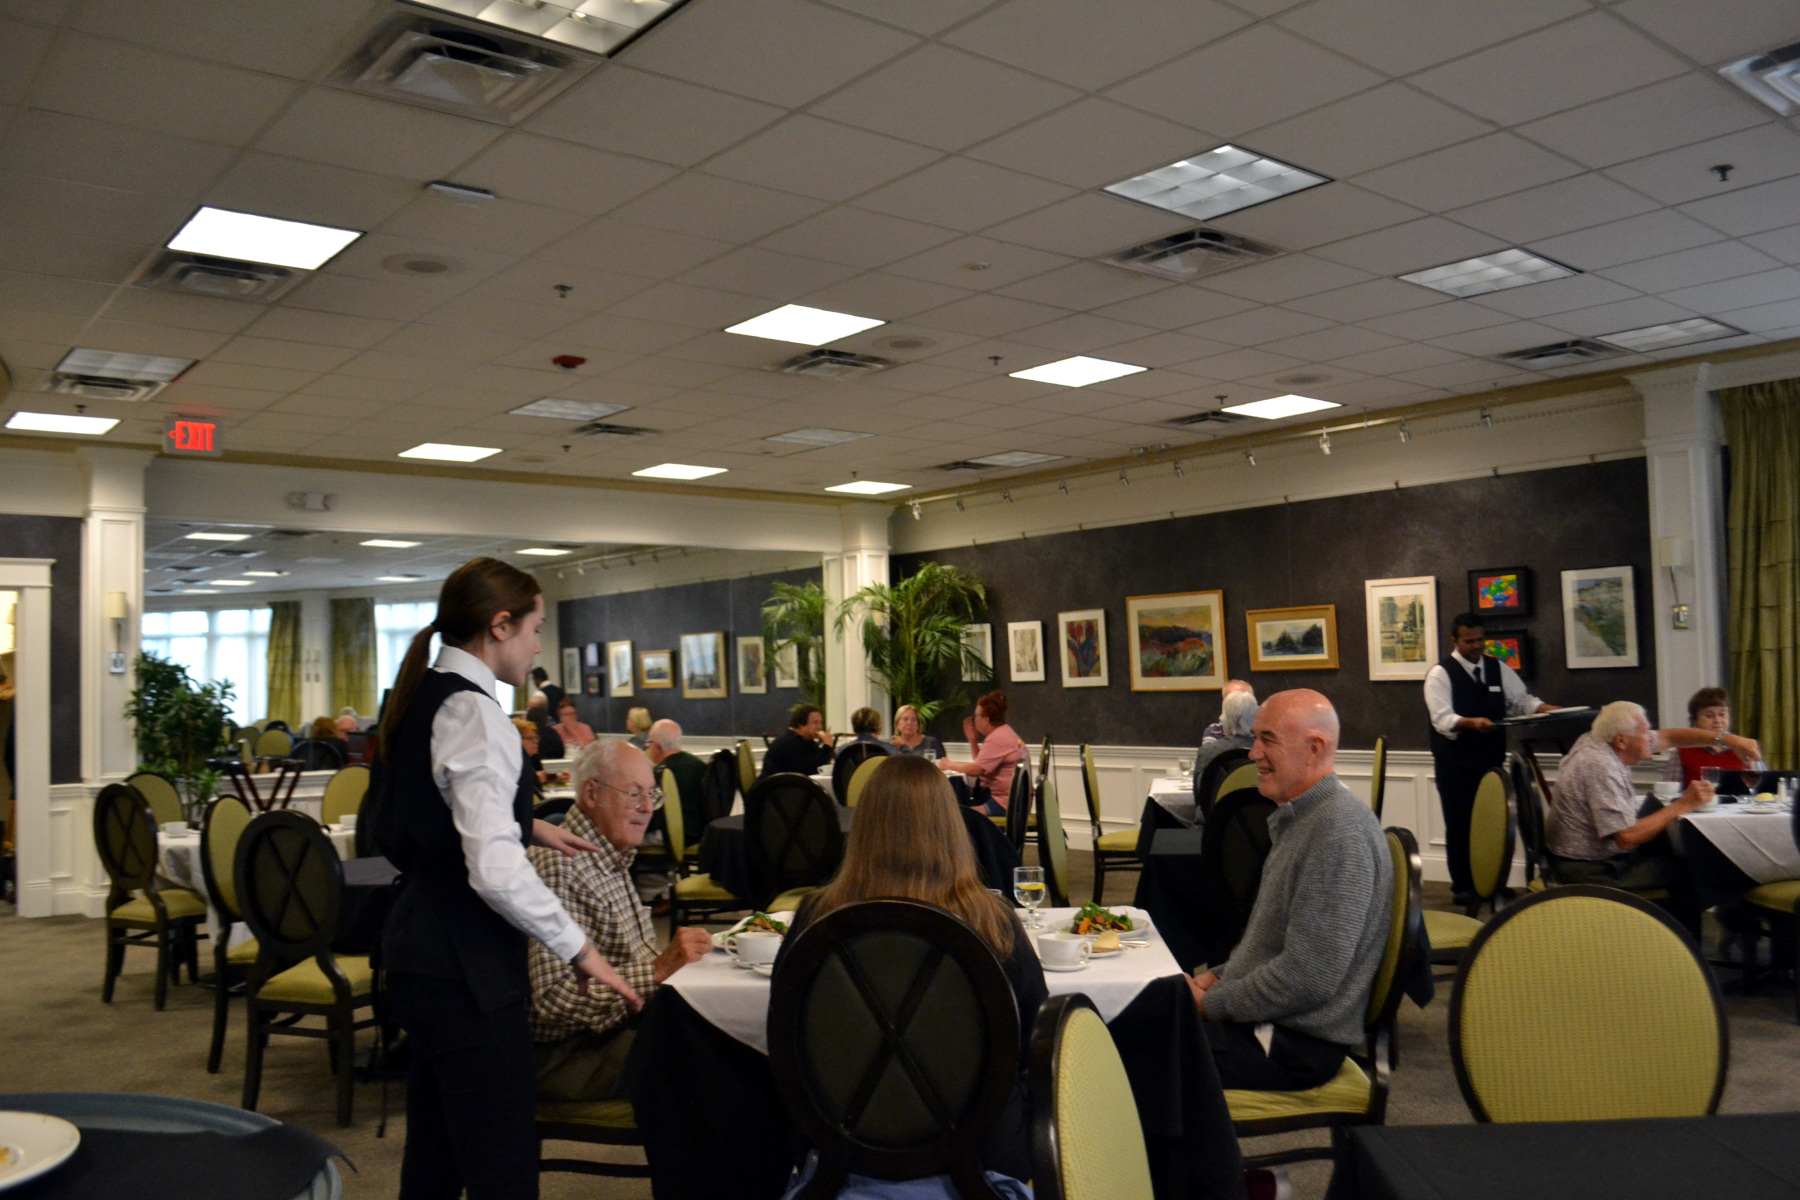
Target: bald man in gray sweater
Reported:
point(1289, 1003)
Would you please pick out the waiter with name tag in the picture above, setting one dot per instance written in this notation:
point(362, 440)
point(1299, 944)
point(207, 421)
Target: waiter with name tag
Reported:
point(1469, 693)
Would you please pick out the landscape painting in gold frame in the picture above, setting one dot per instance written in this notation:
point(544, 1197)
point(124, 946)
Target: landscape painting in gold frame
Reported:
point(1303, 638)
point(1177, 641)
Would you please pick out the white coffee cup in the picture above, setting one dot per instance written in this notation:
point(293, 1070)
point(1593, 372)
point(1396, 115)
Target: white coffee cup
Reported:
point(175, 828)
point(1665, 790)
point(754, 946)
point(347, 821)
point(1064, 950)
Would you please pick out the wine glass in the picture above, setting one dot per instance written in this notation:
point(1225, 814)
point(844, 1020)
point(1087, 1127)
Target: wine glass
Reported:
point(1183, 768)
point(1752, 776)
point(1028, 888)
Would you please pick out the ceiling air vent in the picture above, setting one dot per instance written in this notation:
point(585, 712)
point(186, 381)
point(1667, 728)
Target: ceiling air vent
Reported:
point(962, 464)
point(1559, 354)
point(441, 64)
point(1193, 254)
point(1206, 418)
point(102, 387)
point(232, 552)
point(609, 431)
point(287, 535)
point(832, 364)
point(226, 278)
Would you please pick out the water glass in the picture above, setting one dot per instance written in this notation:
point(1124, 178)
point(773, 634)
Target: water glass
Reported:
point(930, 756)
point(1028, 888)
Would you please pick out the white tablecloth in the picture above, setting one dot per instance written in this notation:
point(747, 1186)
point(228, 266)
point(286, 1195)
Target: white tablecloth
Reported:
point(1760, 844)
point(737, 1000)
point(178, 860)
point(1176, 795)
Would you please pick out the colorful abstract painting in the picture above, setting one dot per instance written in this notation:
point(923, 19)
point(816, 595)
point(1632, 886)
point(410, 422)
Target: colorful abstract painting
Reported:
point(1177, 641)
point(1083, 648)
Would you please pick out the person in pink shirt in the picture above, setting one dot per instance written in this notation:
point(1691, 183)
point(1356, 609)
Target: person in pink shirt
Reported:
point(994, 751)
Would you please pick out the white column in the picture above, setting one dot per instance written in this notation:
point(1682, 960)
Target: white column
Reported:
point(864, 560)
point(112, 561)
point(1682, 440)
point(30, 578)
point(315, 656)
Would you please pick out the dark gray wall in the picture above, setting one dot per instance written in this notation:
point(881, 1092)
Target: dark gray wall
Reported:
point(1319, 552)
point(58, 538)
point(655, 620)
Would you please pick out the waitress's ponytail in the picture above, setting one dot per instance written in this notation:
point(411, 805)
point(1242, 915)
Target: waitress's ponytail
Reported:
point(471, 596)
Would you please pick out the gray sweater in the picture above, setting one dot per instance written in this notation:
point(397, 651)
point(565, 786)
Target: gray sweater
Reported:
point(1314, 942)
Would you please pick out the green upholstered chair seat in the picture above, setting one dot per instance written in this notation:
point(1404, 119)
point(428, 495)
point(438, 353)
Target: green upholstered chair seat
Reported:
point(1450, 930)
point(1349, 1092)
point(1537, 884)
point(602, 1114)
point(179, 902)
point(1780, 897)
point(789, 901)
point(305, 983)
point(242, 954)
point(700, 889)
point(1123, 841)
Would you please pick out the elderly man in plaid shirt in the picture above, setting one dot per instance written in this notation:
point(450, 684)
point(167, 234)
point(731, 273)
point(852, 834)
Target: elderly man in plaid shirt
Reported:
point(580, 1033)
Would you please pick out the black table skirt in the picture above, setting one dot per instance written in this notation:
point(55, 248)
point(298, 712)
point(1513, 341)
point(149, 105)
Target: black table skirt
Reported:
point(714, 1125)
point(1154, 820)
point(1731, 1158)
point(722, 851)
point(1716, 879)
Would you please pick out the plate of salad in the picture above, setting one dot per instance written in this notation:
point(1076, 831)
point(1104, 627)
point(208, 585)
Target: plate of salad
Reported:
point(759, 921)
point(1092, 921)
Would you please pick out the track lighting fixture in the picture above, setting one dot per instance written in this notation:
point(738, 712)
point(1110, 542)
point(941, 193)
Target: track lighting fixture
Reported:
point(1006, 496)
point(917, 511)
point(1179, 473)
point(1250, 457)
point(1063, 487)
point(1324, 442)
point(1405, 432)
point(1124, 478)
point(1487, 417)
point(959, 504)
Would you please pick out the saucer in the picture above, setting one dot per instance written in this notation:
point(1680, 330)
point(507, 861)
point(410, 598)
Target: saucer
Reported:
point(1076, 967)
point(1106, 953)
point(764, 969)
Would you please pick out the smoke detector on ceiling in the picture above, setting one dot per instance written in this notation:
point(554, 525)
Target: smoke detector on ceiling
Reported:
point(1194, 254)
point(440, 63)
point(1559, 354)
point(832, 364)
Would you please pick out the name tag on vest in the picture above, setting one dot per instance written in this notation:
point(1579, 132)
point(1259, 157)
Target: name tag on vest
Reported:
point(1492, 688)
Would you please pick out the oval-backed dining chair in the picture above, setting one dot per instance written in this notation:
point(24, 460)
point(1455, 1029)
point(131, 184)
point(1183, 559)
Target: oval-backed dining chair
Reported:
point(344, 794)
point(849, 758)
point(162, 793)
point(1492, 835)
point(1053, 846)
point(1117, 849)
point(224, 823)
point(859, 778)
point(140, 912)
point(792, 840)
point(1086, 1140)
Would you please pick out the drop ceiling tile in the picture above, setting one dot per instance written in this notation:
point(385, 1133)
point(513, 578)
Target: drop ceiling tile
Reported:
point(1177, 307)
point(1456, 316)
point(542, 170)
point(36, 203)
point(1558, 295)
point(1784, 244)
point(609, 245)
point(785, 52)
point(1781, 317)
point(1165, 349)
point(1088, 225)
point(1635, 313)
point(271, 37)
point(1758, 155)
point(1569, 64)
point(145, 89)
point(1360, 301)
point(1083, 333)
point(1703, 264)
point(129, 337)
point(821, 159)
point(1316, 216)
point(920, 16)
point(1241, 364)
point(1468, 172)
point(1435, 30)
point(1559, 207)
point(238, 375)
point(1764, 288)
point(988, 316)
point(335, 407)
point(301, 191)
point(381, 137)
point(348, 387)
point(1084, 285)
point(878, 294)
point(943, 98)
point(1367, 130)
point(925, 378)
point(1285, 278)
point(270, 352)
point(1228, 86)
point(186, 312)
point(1091, 143)
point(64, 254)
point(459, 345)
point(695, 307)
point(408, 368)
point(502, 226)
point(1469, 375)
point(1257, 326)
point(608, 388)
point(329, 329)
point(1688, 108)
point(758, 272)
point(857, 238)
point(1402, 249)
point(1391, 360)
point(529, 382)
point(1329, 345)
point(960, 193)
point(1498, 339)
point(105, 155)
point(536, 280)
point(730, 349)
point(1716, 32)
point(707, 206)
point(977, 262)
point(652, 117)
point(1753, 210)
point(1628, 241)
point(670, 372)
point(22, 47)
point(1115, 40)
point(369, 255)
point(1149, 412)
point(363, 297)
point(623, 335)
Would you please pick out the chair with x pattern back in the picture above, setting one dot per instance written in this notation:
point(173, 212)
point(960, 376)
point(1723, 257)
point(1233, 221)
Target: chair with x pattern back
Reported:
point(162, 793)
point(849, 758)
point(318, 754)
point(290, 886)
point(138, 911)
point(220, 829)
point(1207, 782)
point(1117, 849)
point(1086, 1139)
point(894, 1041)
point(1233, 846)
point(1053, 846)
point(792, 840)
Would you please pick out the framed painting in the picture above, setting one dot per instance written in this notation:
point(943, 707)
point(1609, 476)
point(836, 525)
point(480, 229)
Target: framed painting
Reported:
point(1514, 648)
point(591, 656)
point(703, 664)
point(1177, 641)
point(618, 668)
point(656, 669)
point(591, 685)
point(1025, 648)
point(1083, 635)
point(752, 656)
point(1293, 639)
point(787, 666)
point(1402, 617)
point(571, 670)
point(1500, 592)
point(1600, 618)
point(980, 640)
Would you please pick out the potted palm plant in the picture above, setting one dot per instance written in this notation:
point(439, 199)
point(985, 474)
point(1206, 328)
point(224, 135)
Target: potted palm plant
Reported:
point(912, 633)
point(180, 725)
point(794, 615)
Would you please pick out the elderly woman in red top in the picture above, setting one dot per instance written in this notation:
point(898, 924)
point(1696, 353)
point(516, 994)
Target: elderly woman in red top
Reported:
point(994, 751)
point(1709, 709)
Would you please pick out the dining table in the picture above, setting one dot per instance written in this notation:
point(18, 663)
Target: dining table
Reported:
point(1734, 845)
point(178, 861)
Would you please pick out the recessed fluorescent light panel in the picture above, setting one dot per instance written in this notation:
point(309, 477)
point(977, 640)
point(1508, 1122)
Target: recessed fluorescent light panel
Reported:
point(250, 238)
point(1079, 371)
point(197, 592)
point(1280, 406)
point(446, 452)
point(389, 544)
point(1222, 180)
point(144, 368)
point(868, 487)
point(597, 26)
point(266, 574)
point(1490, 273)
point(543, 552)
point(805, 326)
point(231, 583)
point(818, 437)
point(37, 422)
point(678, 471)
point(1015, 458)
point(217, 537)
point(1773, 78)
point(568, 410)
point(397, 578)
point(1677, 333)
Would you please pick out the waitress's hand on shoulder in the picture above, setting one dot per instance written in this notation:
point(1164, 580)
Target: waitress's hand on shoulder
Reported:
point(555, 837)
point(592, 968)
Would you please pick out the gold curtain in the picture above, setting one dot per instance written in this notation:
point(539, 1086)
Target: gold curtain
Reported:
point(284, 663)
point(1762, 425)
point(353, 654)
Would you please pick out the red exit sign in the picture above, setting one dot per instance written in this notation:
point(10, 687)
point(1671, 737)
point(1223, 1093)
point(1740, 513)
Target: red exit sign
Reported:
point(192, 435)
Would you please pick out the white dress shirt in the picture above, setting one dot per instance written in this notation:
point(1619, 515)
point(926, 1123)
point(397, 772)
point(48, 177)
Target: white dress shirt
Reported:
point(476, 758)
point(1519, 702)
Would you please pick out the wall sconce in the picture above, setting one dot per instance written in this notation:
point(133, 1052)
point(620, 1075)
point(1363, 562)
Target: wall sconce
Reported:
point(117, 610)
point(1672, 552)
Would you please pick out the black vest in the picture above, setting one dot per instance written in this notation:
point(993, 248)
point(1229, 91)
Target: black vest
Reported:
point(1469, 749)
point(438, 926)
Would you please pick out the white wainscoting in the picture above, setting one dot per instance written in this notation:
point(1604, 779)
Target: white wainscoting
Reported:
point(77, 881)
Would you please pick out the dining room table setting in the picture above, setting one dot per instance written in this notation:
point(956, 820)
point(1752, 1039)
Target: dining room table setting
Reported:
point(1741, 838)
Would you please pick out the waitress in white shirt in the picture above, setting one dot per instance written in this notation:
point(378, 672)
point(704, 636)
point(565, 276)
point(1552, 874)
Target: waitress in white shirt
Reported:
point(453, 812)
point(1468, 694)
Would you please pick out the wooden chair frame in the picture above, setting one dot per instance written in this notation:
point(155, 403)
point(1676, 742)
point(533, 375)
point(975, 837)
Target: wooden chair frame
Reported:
point(770, 814)
point(1049, 828)
point(224, 976)
point(1378, 777)
point(850, 757)
point(1206, 783)
point(125, 840)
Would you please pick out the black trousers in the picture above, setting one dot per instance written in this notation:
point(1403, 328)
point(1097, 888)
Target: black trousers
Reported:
point(1293, 1062)
point(471, 1090)
point(1456, 791)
